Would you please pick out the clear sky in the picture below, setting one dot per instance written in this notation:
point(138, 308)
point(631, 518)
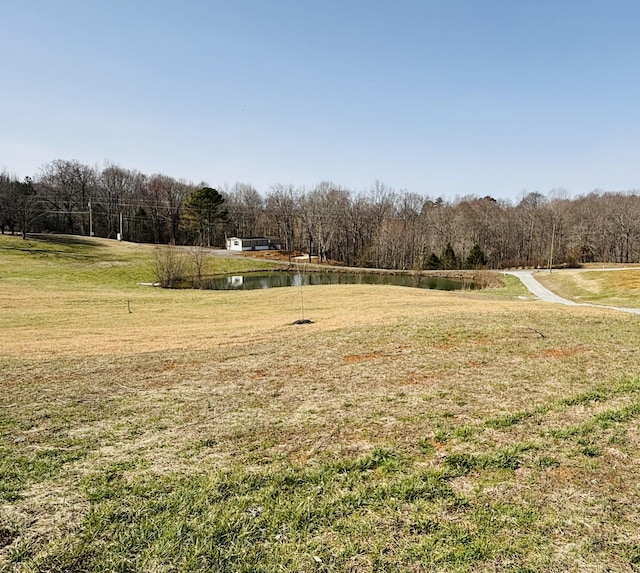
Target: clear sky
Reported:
point(442, 98)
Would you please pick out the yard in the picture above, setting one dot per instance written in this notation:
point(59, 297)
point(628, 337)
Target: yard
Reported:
point(145, 429)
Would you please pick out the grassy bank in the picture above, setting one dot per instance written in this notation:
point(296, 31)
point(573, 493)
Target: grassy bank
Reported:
point(605, 287)
point(405, 430)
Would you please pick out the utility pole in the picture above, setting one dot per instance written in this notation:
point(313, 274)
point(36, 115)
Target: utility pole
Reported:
point(120, 233)
point(90, 220)
point(553, 235)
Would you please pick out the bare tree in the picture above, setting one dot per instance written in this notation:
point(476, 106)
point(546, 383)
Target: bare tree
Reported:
point(246, 209)
point(7, 203)
point(356, 221)
point(282, 205)
point(624, 218)
point(382, 201)
point(175, 196)
point(409, 208)
point(321, 211)
point(378, 227)
point(116, 194)
point(27, 204)
point(68, 187)
point(154, 194)
point(531, 210)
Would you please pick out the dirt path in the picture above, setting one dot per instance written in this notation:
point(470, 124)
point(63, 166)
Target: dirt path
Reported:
point(543, 293)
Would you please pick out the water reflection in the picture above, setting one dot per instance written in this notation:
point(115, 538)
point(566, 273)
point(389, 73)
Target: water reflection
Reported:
point(251, 281)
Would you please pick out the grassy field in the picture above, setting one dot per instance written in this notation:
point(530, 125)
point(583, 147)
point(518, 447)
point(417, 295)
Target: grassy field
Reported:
point(144, 429)
point(596, 286)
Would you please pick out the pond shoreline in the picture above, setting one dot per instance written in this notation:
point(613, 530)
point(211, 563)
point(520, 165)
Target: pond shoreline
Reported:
point(482, 278)
point(296, 277)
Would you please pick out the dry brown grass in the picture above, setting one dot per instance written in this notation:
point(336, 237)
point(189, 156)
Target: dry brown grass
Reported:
point(593, 285)
point(379, 364)
point(195, 381)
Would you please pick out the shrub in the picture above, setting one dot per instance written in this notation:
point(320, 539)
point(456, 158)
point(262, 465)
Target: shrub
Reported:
point(169, 266)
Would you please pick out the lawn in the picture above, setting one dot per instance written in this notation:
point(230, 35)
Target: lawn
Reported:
point(145, 429)
point(592, 285)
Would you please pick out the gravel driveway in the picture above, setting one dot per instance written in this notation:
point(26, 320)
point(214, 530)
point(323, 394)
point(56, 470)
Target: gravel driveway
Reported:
point(543, 293)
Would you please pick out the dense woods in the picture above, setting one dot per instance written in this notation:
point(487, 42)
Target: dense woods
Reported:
point(378, 227)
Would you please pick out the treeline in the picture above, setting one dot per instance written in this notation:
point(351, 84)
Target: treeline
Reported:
point(379, 227)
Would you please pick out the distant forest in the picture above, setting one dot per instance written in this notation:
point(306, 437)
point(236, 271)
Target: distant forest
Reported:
point(379, 227)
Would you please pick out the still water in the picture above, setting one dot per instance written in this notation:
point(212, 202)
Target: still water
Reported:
point(251, 281)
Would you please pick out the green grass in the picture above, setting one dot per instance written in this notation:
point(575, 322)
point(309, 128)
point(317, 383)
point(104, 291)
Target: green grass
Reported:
point(72, 261)
point(510, 288)
point(610, 288)
point(292, 519)
point(404, 430)
point(65, 262)
point(18, 472)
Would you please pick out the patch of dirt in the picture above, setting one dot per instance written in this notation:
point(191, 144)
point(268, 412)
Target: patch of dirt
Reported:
point(295, 370)
point(428, 376)
point(272, 255)
point(354, 358)
point(446, 346)
point(563, 474)
point(558, 353)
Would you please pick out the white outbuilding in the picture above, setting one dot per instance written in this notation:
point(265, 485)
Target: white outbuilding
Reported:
point(252, 243)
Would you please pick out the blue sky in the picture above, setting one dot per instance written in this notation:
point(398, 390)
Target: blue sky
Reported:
point(442, 98)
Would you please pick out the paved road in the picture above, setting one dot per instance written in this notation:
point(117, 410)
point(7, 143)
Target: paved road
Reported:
point(543, 293)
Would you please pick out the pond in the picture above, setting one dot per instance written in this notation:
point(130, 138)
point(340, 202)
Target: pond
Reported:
point(264, 280)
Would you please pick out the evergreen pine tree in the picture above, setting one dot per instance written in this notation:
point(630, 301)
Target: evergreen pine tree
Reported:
point(476, 258)
point(433, 262)
point(449, 260)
